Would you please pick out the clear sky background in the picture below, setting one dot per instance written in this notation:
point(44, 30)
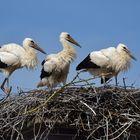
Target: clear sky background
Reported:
point(95, 24)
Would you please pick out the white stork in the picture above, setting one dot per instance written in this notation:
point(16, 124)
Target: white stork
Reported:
point(55, 67)
point(108, 62)
point(13, 56)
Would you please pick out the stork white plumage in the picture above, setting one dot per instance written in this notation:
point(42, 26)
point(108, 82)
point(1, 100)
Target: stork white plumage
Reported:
point(14, 56)
point(55, 67)
point(108, 62)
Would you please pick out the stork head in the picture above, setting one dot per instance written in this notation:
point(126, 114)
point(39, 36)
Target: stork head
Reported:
point(28, 42)
point(122, 48)
point(66, 36)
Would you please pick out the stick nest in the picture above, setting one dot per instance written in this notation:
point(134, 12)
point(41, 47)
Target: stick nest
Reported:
point(94, 112)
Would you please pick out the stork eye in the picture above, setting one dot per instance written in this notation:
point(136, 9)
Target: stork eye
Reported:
point(32, 41)
point(124, 48)
point(68, 35)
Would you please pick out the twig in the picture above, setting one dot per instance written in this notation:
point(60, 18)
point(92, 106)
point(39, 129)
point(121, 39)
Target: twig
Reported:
point(88, 107)
point(129, 124)
point(106, 129)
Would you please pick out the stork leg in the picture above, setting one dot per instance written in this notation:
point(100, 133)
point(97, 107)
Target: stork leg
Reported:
point(2, 85)
point(104, 81)
point(6, 90)
point(116, 81)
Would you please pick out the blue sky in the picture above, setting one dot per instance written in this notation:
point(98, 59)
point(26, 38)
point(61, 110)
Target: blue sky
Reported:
point(95, 24)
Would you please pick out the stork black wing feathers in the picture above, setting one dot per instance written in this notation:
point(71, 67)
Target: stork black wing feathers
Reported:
point(3, 65)
point(86, 64)
point(45, 74)
point(43, 62)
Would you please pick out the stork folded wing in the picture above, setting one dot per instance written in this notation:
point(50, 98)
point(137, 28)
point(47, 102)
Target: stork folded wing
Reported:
point(8, 59)
point(48, 67)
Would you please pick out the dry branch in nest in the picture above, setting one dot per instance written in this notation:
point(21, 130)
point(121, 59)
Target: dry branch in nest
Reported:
point(107, 113)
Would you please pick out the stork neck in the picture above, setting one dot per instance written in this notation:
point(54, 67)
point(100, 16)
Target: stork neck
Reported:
point(30, 50)
point(30, 58)
point(68, 51)
point(125, 56)
point(124, 62)
point(67, 47)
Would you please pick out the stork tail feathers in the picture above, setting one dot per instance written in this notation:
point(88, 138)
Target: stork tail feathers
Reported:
point(40, 84)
